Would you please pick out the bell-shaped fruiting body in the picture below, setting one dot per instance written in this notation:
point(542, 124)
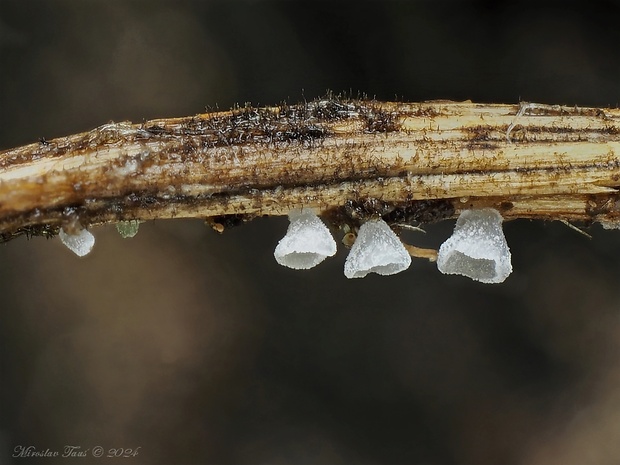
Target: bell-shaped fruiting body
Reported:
point(377, 249)
point(80, 243)
point(128, 229)
point(477, 248)
point(307, 242)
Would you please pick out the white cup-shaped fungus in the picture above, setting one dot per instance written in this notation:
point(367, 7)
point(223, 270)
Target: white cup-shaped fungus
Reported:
point(307, 242)
point(477, 248)
point(80, 243)
point(377, 249)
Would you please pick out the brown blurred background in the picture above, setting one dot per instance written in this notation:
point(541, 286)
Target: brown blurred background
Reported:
point(200, 349)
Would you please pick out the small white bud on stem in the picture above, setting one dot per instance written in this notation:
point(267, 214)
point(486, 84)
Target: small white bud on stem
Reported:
point(80, 243)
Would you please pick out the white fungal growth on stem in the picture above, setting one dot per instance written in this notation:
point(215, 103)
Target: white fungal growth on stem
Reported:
point(477, 248)
point(377, 249)
point(307, 242)
point(80, 243)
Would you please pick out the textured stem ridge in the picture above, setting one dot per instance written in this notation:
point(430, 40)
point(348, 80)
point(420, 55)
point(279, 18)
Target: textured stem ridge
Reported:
point(349, 160)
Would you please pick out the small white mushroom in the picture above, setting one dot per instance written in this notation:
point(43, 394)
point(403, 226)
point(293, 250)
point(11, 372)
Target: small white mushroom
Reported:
point(377, 249)
point(128, 229)
point(307, 242)
point(477, 248)
point(80, 243)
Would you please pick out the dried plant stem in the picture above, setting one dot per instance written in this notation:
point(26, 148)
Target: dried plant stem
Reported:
point(418, 252)
point(409, 162)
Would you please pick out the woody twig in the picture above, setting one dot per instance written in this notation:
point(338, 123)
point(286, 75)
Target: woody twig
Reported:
point(346, 159)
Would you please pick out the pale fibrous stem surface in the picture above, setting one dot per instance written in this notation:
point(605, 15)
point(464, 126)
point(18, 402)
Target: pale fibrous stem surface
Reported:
point(348, 160)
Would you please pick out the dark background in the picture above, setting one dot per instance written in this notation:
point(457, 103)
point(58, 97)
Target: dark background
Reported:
point(200, 349)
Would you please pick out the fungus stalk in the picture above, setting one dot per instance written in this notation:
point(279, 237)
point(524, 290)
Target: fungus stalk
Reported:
point(434, 159)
